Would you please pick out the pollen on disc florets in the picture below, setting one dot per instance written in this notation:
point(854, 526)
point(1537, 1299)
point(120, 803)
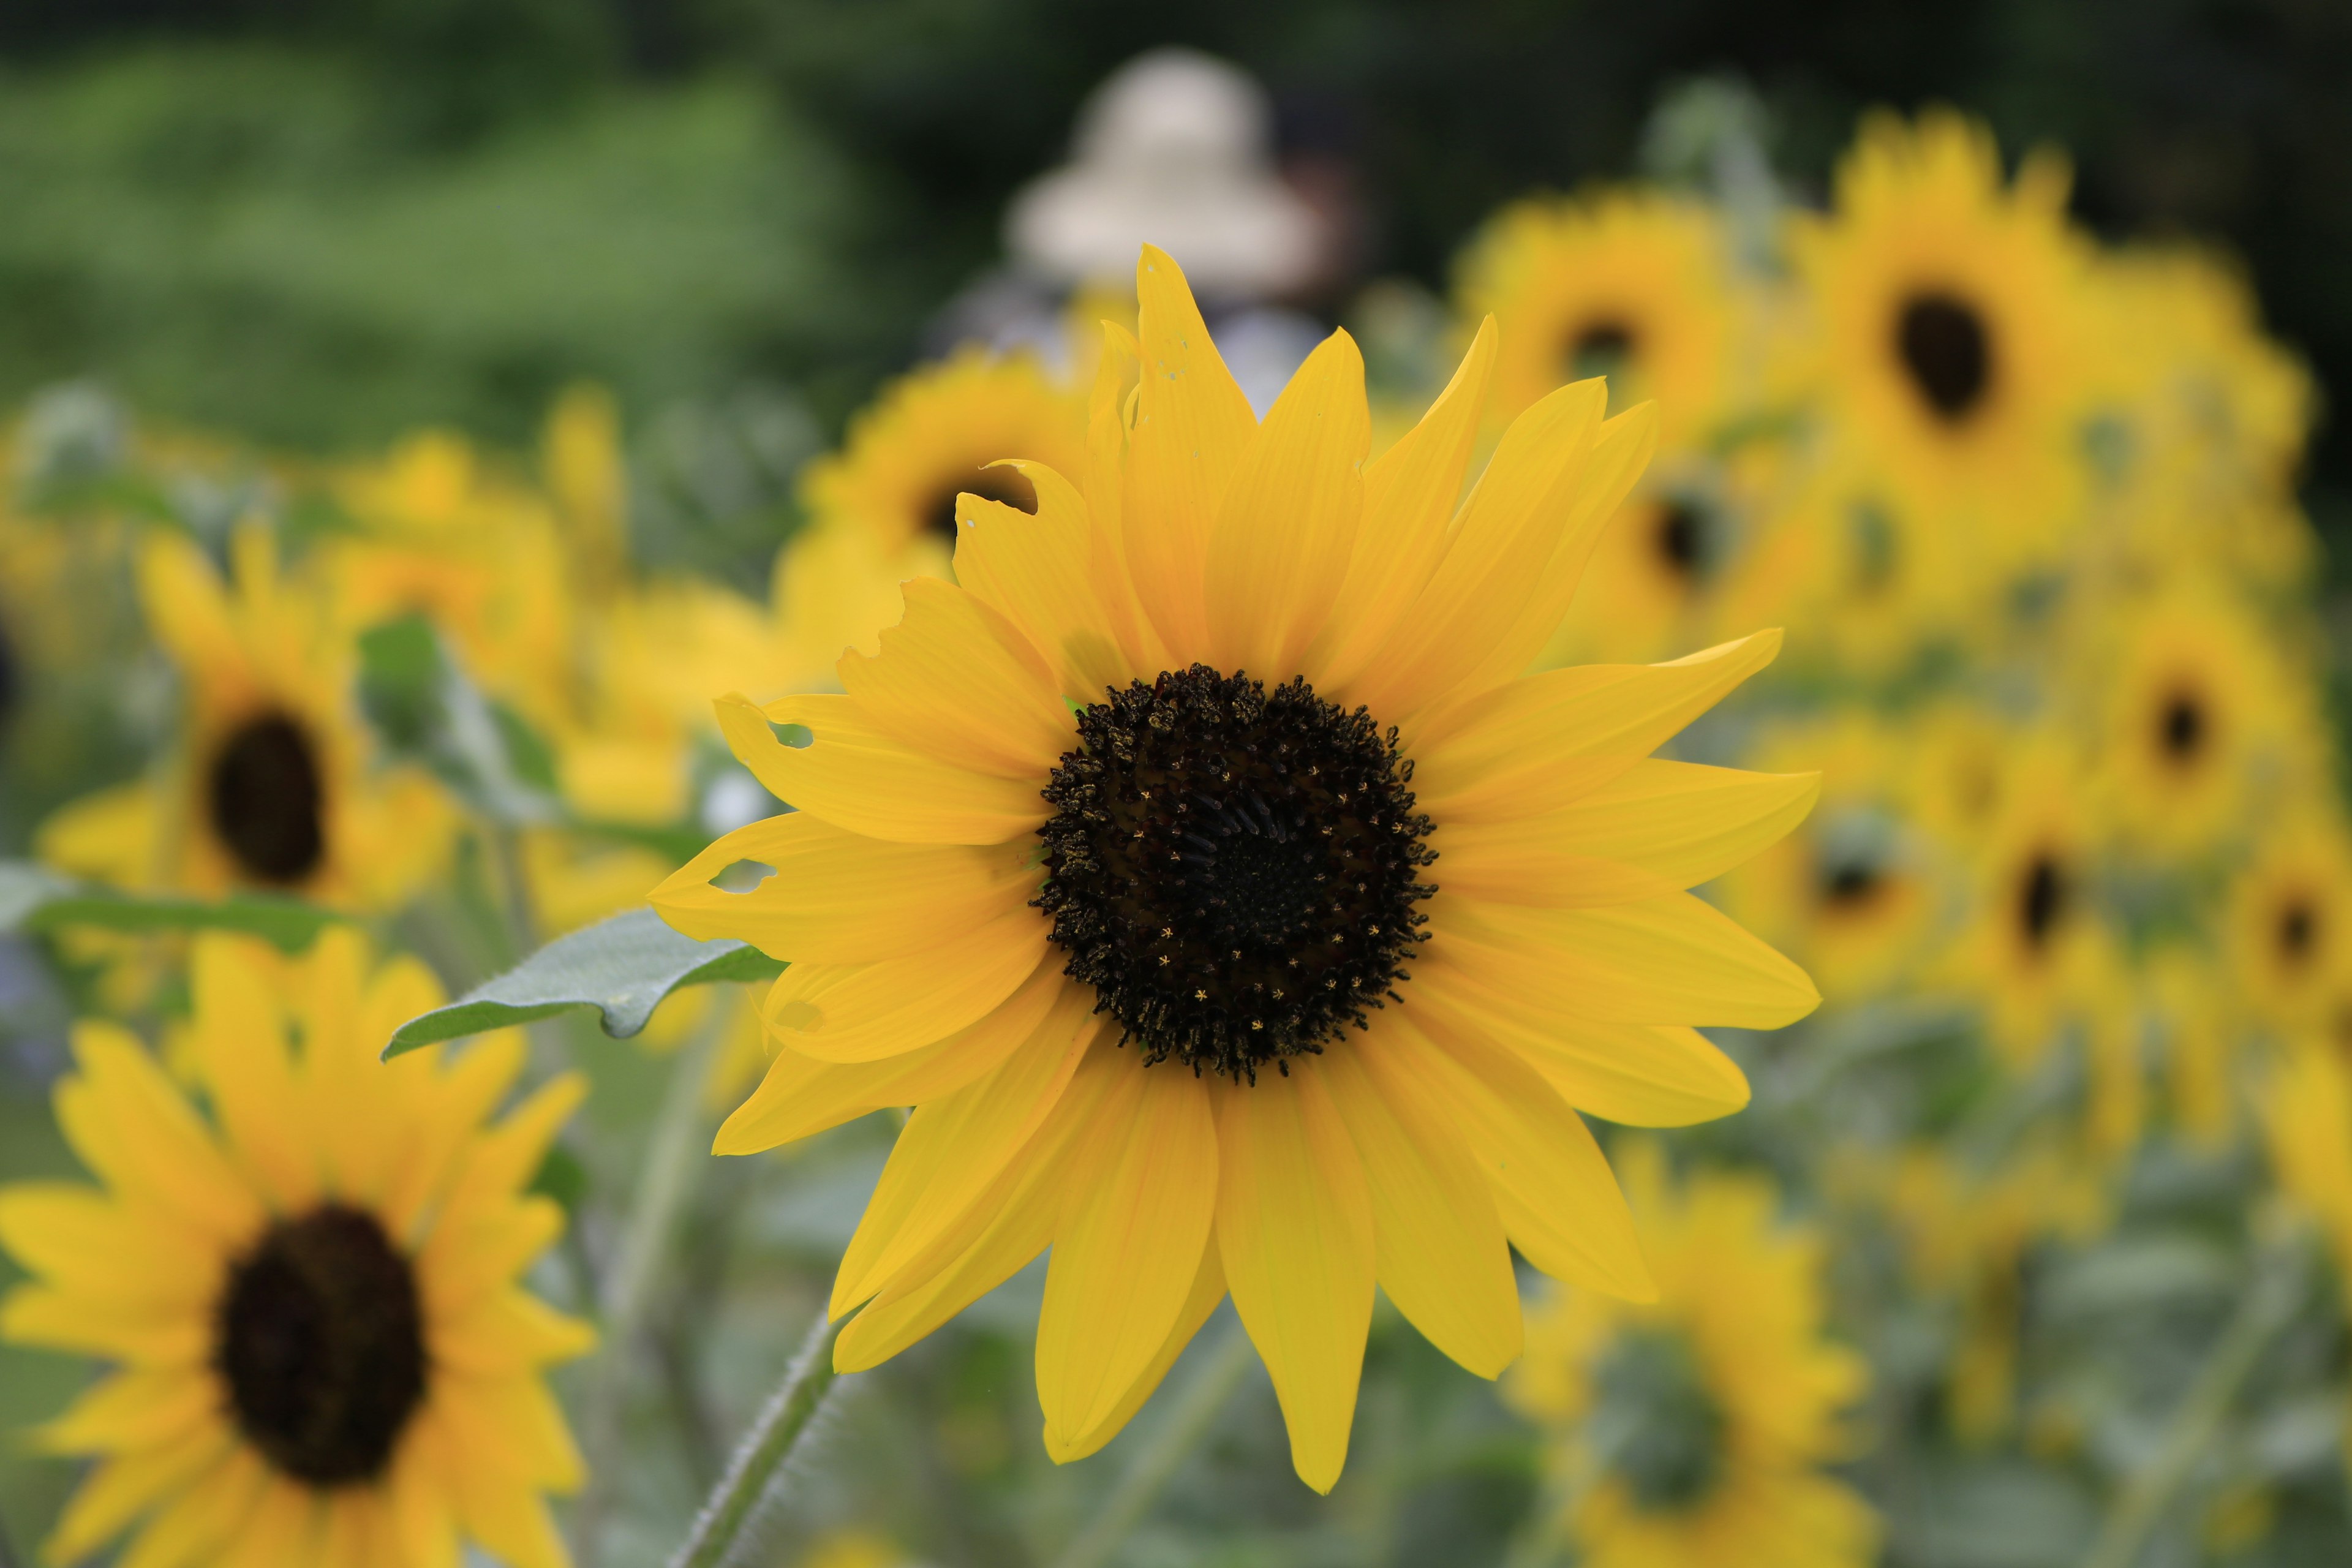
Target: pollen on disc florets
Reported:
point(1233, 870)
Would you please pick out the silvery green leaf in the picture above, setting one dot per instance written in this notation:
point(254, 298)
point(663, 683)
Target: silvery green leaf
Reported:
point(623, 967)
point(34, 898)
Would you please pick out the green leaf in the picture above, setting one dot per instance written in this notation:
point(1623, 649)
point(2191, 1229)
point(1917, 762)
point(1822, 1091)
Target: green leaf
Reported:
point(623, 967)
point(34, 898)
point(424, 705)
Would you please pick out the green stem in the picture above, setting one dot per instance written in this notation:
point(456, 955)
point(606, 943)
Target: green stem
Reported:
point(673, 1151)
point(2270, 1303)
point(1196, 1411)
point(775, 1433)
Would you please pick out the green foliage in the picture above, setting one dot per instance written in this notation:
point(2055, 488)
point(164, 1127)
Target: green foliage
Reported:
point(32, 898)
point(621, 967)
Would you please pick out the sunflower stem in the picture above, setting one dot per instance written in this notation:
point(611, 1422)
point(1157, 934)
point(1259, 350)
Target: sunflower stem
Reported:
point(2279, 1286)
point(775, 1434)
point(664, 1183)
point(1203, 1399)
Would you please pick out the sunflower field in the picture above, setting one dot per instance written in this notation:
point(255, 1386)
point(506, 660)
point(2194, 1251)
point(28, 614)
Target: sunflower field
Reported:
point(1690, 907)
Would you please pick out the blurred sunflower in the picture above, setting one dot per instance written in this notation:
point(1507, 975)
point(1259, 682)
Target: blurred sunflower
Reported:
point(1657, 573)
point(2198, 715)
point(1248, 690)
point(2032, 950)
point(271, 786)
point(1854, 894)
point(931, 435)
point(1693, 1429)
point(1950, 335)
point(324, 1355)
point(2287, 931)
point(1631, 285)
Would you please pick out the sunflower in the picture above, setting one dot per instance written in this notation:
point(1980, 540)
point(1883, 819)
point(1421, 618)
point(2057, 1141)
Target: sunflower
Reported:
point(2287, 931)
point(1946, 307)
point(931, 435)
point(2032, 950)
point(322, 1354)
point(1337, 923)
point(1693, 1429)
point(2305, 1109)
point(1630, 285)
point(270, 787)
point(2200, 715)
point(1855, 893)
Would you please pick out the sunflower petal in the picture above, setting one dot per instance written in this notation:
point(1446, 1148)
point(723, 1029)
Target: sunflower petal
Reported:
point(801, 1096)
point(1208, 1290)
point(1677, 821)
point(1536, 744)
point(1439, 1246)
point(859, 779)
point(864, 1012)
point(1558, 1200)
point(1141, 1200)
point(1295, 1229)
point(1287, 527)
point(1191, 426)
point(839, 897)
point(1037, 570)
point(958, 680)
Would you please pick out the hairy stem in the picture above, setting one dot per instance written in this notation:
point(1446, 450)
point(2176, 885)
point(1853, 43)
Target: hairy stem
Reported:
point(1204, 1397)
point(775, 1434)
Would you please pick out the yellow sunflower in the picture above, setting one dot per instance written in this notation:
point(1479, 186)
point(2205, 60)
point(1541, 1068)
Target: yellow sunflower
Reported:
point(1856, 893)
point(2033, 947)
point(1693, 1429)
point(2306, 1108)
point(933, 435)
point(270, 786)
point(1947, 326)
point(2287, 931)
point(1338, 922)
point(1631, 285)
point(322, 1354)
point(2202, 718)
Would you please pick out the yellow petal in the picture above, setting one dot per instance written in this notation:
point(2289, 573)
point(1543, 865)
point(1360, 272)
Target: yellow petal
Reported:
point(1409, 491)
point(84, 1241)
point(864, 1012)
point(132, 1129)
point(1142, 1197)
point(187, 608)
point(1037, 570)
point(1107, 563)
point(240, 1043)
point(207, 1492)
point(1638, 1074)
point(143, 1408)
point(1675, 960)
point(841, 898)
point(1678, 821)
point(1536, 744)
point(859, 779)
point(1620, 454)
point(948, 1153)
point(1287, 527)
point(1498, 864)
point(958, 681)
point(996, 1234)
point(1507, 532)
point(1295, 1232)
point(1208, 1290)
point(1559, 1202)
point(1191, 426)
point(801, 1096)
point(1439, 1246)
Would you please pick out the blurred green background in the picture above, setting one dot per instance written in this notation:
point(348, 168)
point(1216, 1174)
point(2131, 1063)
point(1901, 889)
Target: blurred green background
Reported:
point(318, 225)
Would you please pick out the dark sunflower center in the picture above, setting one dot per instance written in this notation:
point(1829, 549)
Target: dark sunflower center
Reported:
point(2042, 899)
point(1234, 870)
point(1006, 485)
point(320, 1340)
point(2180, 728)
point(2298, 930)
point(1678, 537)
point(1656, 1425)
point(267, 800)
point(1847, 884)
point(1603, 346)
point(1943, 343)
